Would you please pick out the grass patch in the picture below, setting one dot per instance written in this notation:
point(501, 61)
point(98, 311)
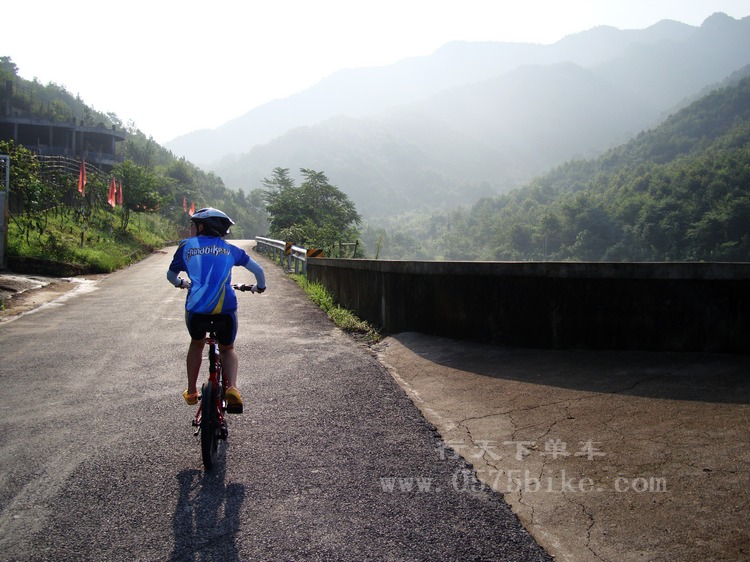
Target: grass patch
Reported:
point(343, 318)
point(99, 247)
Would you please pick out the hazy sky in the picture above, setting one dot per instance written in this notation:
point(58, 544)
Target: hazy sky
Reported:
point(173, 66)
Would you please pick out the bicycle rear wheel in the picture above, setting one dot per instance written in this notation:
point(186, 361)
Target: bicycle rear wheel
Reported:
point(209, 425)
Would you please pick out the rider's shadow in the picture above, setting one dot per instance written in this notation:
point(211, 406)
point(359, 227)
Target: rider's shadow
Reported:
point(207, 516)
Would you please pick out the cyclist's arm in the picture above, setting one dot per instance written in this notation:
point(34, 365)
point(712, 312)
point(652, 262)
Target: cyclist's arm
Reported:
point(177, 265)
point(174, 278)
point(254, 267)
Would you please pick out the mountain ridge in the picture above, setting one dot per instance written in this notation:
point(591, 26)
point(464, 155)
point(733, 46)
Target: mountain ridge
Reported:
point(350, 91)
point(487, 136)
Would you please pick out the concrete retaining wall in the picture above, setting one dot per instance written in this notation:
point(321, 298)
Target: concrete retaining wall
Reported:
point(651, 306)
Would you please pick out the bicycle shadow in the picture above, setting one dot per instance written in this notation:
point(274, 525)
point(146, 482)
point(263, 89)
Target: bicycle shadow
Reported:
point(206, 519)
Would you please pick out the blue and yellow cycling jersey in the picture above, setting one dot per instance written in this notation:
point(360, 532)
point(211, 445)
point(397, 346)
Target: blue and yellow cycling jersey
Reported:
point(208, 261)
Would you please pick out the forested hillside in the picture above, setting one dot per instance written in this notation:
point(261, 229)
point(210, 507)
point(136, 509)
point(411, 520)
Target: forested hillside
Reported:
point(678, 192)
point(478, 119)
point(52, 217)
point(154, 180)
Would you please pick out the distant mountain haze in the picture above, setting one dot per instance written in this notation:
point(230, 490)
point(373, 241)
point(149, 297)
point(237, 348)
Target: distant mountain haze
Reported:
point(370, 90)
point(473, 119)
point(666, 72)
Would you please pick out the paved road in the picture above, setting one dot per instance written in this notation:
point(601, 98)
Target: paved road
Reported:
point(330, 461)
point(604, 455)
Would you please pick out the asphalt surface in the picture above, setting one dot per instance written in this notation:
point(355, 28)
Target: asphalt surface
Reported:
point(603, 455)
point(331, 459)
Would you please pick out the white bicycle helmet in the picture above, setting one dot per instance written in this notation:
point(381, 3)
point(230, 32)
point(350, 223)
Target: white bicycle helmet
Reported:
point(213, 220)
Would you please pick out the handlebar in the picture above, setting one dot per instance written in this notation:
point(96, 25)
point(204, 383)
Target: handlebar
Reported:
point(251, 288)
point(236, 286)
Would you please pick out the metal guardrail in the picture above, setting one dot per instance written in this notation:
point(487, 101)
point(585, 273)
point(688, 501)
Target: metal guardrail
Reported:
point(278, 250)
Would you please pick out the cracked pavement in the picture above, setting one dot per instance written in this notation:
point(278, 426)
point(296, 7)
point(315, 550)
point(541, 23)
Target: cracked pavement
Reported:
point(603, 455)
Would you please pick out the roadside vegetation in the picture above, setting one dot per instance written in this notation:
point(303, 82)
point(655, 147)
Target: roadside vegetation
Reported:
point(98, 246)
point(343, 318)
point(55, 229)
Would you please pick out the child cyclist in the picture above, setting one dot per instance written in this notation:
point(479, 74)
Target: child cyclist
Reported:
point(208, 260)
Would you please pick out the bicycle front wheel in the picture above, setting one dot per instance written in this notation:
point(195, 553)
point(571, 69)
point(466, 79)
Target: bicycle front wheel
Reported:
point(209, 425)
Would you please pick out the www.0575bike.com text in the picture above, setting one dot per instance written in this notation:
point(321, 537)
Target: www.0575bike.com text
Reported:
point(514, 481)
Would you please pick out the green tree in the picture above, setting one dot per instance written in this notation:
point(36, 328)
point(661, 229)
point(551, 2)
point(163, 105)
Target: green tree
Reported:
point(281, 196)
point(140, 189)
point(7, 65)
point(315, 213)
point(30, 197)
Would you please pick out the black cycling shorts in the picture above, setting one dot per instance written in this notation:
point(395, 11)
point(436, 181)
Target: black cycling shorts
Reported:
point(224, 324)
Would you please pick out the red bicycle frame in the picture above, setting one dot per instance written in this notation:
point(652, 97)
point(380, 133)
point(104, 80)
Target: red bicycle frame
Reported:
point(209, 420)
point(214, 369)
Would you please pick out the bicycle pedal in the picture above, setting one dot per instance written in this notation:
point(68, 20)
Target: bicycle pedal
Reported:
point(234, 408)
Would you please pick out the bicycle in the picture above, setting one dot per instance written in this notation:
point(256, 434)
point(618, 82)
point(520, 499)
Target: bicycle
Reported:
point(209, 420)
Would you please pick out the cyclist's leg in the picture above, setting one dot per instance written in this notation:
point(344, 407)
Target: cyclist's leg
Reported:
point(194, 354)
point(193, 362)
point(226, 336)
point(229, 366)
point(229, 358)
point(229, 361)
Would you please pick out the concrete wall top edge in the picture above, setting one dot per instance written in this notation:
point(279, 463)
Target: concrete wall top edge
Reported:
point(596, 270)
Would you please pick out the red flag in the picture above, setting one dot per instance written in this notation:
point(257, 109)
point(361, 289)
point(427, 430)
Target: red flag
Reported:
point(112, 190)
point(82, 177)
point(184, 204)
point(192, 208)
point(119, 193)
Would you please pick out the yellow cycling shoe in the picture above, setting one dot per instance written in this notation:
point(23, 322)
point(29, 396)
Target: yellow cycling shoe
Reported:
point(190, 399)
point(234, 400)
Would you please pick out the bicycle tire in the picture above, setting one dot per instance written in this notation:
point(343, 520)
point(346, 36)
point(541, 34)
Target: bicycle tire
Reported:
point(209, 426)
point(223, 430)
